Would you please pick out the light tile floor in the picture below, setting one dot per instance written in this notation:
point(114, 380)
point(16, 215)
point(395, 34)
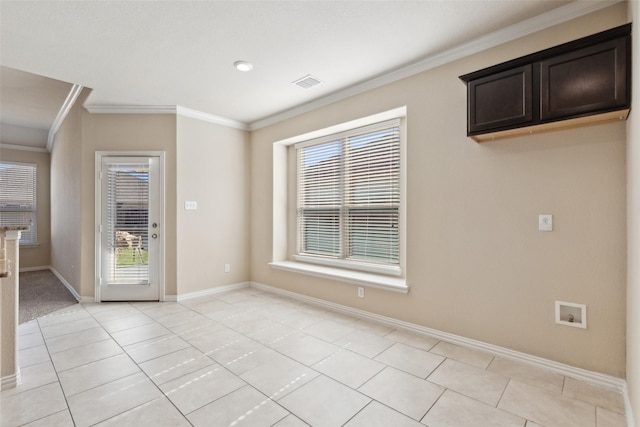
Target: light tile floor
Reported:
point(253, 358)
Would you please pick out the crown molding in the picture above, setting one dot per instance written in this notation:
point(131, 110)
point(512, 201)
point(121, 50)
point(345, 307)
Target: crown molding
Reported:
point(166, 109)
point(546, 20)
point(4, 146)
point(131, 109)
point(62, 114)
point(211, 118)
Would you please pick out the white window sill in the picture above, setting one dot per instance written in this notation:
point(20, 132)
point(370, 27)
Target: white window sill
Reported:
point(377, 269)
point(395, 284)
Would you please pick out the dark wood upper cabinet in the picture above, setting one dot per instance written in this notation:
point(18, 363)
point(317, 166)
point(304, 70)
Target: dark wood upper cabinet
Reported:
point(576, 83)
point(501, 99)
point(589, 79)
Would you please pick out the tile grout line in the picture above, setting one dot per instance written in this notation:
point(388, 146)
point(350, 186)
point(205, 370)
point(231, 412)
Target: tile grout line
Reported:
point(41, 386)
point(504, 390)
point(246, 384)
point(141, 371)
point(86, 364)
point(435, 402)
point(66, 400)
point(361, 410)
point(300, 329)
point(271, 398)
point(257, 310)
point(205, 354)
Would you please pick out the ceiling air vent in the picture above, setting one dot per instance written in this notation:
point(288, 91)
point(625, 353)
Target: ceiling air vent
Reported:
point(308, 82)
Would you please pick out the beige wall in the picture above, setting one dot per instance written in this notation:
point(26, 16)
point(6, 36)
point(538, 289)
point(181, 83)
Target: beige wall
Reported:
point(203, 162)
point(126, 132)
point(477, 266)
point(213, 169)
point(633, 223)
point(37, 256)
point(66, 203)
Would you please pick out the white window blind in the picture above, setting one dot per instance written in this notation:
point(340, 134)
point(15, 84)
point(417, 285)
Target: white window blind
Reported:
point(348, 195)
point(18, 198)
point(127, 223)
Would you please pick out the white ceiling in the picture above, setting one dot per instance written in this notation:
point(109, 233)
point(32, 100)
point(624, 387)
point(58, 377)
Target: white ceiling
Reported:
point(181, 52)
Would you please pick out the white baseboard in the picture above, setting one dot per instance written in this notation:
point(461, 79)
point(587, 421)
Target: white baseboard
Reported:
point(66, 284)
point(206, 292)
point(75, 293)
point(10, 381)
point(43, 267)
point(628, 408)
point(595, 378)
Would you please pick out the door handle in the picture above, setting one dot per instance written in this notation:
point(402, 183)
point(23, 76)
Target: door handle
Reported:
point(154, 235)
point(154, 225)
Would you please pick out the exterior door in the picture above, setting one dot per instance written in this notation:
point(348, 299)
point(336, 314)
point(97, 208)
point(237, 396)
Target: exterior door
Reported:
point(129, 228)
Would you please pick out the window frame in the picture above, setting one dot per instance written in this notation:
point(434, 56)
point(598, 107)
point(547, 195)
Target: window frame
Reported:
point(283, 256)
point(344, 204)
point(33, 210)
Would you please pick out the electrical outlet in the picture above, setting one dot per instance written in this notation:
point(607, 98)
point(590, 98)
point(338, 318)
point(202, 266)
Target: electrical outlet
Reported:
point(190, 205)
point(360, 292)
point(227, 268)
point(545, 222)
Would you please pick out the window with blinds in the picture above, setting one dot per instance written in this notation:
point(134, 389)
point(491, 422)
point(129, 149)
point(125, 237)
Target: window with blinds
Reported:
point(18, 198)
point(348, 195)
point(128, 223)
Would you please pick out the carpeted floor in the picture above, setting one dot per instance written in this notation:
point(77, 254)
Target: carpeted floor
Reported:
point(41, 293)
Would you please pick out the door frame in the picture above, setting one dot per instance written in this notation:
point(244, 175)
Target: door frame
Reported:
point(98, 215)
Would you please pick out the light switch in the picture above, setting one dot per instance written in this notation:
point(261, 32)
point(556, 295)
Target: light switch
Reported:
point(190, 205)
point(545, 222)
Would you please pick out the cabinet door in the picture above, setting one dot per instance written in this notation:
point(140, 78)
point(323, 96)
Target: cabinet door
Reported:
point(500, 100)
point(585, 81)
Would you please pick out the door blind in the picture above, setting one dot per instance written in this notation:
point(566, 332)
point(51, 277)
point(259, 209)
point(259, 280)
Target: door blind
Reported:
point(349, 195)
point(18, 198)
point(127, 223)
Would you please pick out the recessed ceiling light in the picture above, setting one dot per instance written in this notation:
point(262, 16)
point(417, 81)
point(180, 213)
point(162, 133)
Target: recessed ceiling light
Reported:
point(243, 65)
